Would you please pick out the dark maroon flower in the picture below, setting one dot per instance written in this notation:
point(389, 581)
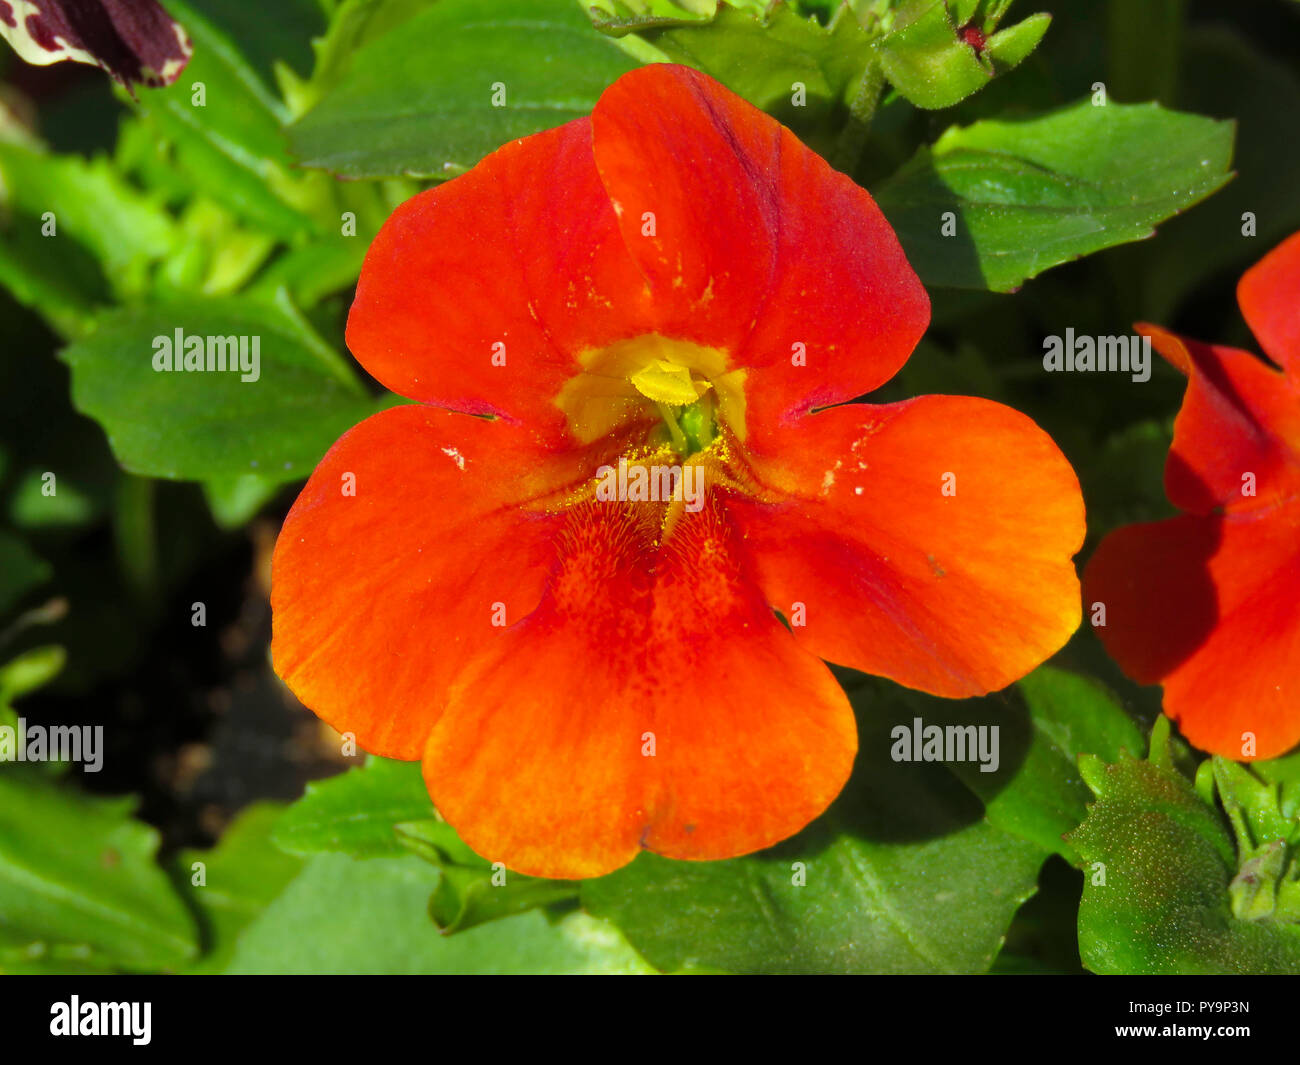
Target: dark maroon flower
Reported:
point(136, 41)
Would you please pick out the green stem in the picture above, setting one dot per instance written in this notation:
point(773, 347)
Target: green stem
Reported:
point(674, 430)
point(134, 532)
point(1144, 45)
point(852, 140)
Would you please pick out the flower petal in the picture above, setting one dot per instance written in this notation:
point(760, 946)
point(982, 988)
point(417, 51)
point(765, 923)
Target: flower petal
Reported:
point(539, 758)
point(1206, 606)
point(1239, 417)
point(380, 598)
point(752, 244)
point(1269, 296)
point(927, 541)
point(134, 40)
point(480, 295)
point(1159, 606)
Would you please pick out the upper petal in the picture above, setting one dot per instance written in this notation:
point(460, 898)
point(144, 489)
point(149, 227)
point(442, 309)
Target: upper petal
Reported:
point(481, 294)
point(1237, 435)
point(651, 700)
point(928, 541)
point(752, 244)
point(1269, 296)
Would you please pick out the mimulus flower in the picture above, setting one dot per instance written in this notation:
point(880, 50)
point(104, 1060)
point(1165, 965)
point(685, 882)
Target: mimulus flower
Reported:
point(1208, 603)
point(556, 578)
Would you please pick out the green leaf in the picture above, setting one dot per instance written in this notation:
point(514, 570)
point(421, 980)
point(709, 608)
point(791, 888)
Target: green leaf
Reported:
point(1168, 751)
point(1284, 774)
point(356, 812)
point(259, 38)
point(1030, 194)
point(26, 673)
point(902, 875)
point(382, 809)
point(437, 843)
point(617, 17)
point(419, 99)
point(29, 671)
point(224, 123)
point(231, 884)
point(763, 50)
point(1254, 805)
point(345, 915)
point(315, 270)
point(1266, 824)
point(1158, 864)
point(761, 54)
point(1043, 725)
point(21, 570)
point(465, 897)
point(1010, 47)
point(353, 25)
point(22, 955)
point(73, 233)
point(470, 890)
point(930, 65)
point(926, 61)
point(234, 501)
point(32, 507)
point(78, 874)
point(212, 424)
point(218, 255)
point(1037, 793)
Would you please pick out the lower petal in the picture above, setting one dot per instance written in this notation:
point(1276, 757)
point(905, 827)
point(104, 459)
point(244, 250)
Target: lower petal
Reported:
point(1206, 606)
point(928, 541)
point(652, 700)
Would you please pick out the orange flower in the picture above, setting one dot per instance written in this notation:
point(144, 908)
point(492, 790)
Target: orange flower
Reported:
point(1208, 603)
point(678, 282)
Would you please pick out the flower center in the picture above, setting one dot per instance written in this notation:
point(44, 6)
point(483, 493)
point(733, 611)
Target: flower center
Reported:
point(685, 402)
point(685, 391)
